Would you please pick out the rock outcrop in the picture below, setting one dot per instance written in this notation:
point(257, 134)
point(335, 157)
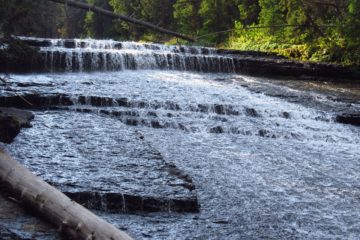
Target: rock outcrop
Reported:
point(11, 121)
point(17, 56)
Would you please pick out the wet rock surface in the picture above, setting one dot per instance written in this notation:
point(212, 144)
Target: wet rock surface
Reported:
point(17, 223)
point(9, 129)
point(121, 172)
point(161, 113)
point(323, 95)
point(251, 112)
point(250, 53)
point(267, 159)
point(18, 56)
point(33, 101)
point(349, 118)
point(11, 122)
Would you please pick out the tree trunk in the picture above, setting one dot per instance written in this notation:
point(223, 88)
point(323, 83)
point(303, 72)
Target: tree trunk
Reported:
point(70, 217)
point(102, 11)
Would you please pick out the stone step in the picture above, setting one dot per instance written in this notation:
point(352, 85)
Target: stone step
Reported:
point(104, 165)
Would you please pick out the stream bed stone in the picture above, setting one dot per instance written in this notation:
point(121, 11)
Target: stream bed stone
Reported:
point(106, 167)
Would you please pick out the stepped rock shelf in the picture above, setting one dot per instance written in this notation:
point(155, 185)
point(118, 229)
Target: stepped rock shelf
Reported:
point(87, 55)
point(68, 216)
point(141, 180)
point(267, 157)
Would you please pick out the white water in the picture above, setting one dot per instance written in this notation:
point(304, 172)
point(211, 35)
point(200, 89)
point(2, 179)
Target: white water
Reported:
point(91, 55)
point(267, 175)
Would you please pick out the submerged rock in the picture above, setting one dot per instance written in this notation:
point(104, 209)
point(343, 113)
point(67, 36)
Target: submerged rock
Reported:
point(286, 115)
point(122, 173)
point(251, 112)
point(263, 133)
point(217, 129)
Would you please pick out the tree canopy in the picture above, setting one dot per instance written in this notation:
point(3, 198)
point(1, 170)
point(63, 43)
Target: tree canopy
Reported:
point(322, 30)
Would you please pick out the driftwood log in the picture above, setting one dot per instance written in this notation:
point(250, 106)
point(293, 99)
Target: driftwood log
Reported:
point(70, 217)
point(93, 8)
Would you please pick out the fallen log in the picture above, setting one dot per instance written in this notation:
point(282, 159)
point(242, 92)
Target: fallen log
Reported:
point(93, 8)
point(70, 217)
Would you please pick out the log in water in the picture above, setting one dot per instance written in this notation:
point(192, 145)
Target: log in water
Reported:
point(67, 215)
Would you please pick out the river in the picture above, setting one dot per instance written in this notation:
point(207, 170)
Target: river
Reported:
point(265, 156)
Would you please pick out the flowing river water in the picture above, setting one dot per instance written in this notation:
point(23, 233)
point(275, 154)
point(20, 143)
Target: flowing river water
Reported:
point(264, 157)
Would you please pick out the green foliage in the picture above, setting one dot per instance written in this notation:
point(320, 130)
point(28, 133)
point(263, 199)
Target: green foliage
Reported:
point(71, 21)
point(98, 26)
point(186, 16)
point(249, 11)
point(28, 17)
point(218, 15)
point(351, 31)
point(307, 30)
point(131, 8)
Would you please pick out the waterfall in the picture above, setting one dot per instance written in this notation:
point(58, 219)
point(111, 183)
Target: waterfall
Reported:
point(109, 55)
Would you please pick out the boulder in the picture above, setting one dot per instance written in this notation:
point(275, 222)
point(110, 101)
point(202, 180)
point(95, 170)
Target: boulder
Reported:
point(11, 121)
point(9, 128)
point(251, 112)
point(217, 129)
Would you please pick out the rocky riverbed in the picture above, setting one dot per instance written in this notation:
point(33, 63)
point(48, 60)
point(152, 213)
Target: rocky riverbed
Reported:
point(206, 139)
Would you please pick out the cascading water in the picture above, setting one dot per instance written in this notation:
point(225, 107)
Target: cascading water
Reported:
point(103, 55)
point(267, 160)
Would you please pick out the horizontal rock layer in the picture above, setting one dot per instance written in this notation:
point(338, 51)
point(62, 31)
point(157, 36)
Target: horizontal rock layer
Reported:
point(106, 166)
point(82, 55)
point(127, 203)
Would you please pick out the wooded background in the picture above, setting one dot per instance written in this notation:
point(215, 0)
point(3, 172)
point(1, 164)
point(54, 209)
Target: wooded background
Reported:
point(317, 30)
